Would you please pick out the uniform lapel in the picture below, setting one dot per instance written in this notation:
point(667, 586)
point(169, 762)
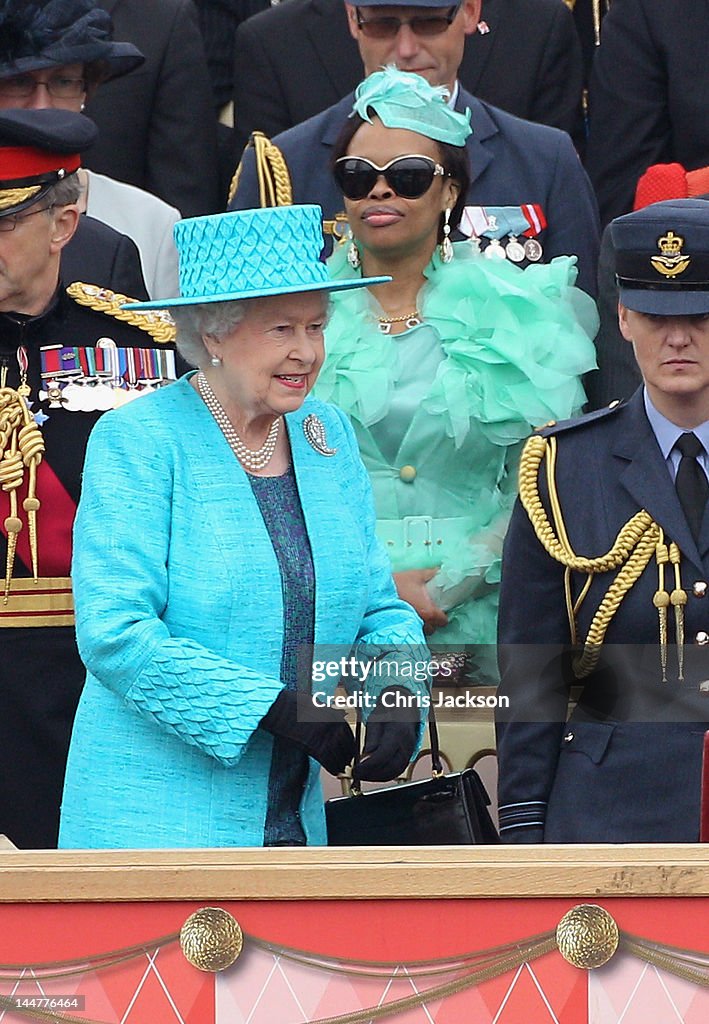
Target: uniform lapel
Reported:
point(334, 45)
point(483, 128)
point(479, 47)
point(646, 478)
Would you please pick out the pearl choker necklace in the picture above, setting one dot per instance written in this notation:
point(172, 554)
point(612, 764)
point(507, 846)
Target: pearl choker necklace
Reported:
point(250, 459)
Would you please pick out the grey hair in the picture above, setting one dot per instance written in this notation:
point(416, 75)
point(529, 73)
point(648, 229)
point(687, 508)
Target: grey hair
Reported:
point(64, 192)
point(206, 318)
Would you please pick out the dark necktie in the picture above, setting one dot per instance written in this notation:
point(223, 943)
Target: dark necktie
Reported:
point(691, 481)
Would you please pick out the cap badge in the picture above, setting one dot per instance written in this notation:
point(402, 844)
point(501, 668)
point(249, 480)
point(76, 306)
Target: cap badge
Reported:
point(672, 261)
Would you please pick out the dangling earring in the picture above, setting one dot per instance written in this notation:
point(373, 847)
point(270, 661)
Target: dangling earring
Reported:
point(446, 246)
point(215, 361)
point(82, 108)
point(353, 256)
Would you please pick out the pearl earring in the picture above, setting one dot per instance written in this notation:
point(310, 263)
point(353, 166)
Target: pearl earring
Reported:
point(215, 361)
point(446, 246)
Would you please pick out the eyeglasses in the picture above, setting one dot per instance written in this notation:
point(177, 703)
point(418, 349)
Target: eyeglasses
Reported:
point(409, 176)
point(61, 87)
point(424, 25)
point(10, 222)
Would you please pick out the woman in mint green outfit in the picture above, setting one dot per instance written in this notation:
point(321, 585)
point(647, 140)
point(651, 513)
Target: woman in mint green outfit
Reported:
point(444, 371)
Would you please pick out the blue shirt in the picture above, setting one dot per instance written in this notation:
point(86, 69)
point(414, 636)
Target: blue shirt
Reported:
point(668, 433)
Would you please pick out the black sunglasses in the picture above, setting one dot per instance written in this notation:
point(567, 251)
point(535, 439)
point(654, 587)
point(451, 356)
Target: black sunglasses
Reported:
point(421, 24)
point(409, 176)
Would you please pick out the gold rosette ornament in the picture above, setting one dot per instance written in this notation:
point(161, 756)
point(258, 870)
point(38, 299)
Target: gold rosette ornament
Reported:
point(587, 936)
point(211, 939)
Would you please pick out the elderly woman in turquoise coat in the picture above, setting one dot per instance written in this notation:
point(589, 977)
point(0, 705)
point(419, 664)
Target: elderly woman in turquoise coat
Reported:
point(226, 526)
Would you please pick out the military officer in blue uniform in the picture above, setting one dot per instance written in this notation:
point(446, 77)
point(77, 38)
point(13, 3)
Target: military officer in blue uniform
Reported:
point(67, 352)
point(605, 569)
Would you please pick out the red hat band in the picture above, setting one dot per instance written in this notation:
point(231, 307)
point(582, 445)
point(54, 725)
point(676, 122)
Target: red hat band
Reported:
point(23, 163)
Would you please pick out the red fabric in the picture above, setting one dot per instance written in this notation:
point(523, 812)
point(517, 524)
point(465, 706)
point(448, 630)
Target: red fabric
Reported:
point(55, 520)
point(704, 819)
point(25, 162)
point(698, 182)
point(661, 181)
point(670, 181)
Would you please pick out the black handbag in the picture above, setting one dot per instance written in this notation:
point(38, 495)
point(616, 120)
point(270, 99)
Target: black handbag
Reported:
point(440, 811)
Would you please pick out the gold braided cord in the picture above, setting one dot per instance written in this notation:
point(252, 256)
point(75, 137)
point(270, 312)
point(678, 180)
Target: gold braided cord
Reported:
point(623, 582)
point(545, 944)
point(667, 959)
point(628, 536)
point(14, 196)
point(156, 322)
point(21, 447)
point(632, 548)
point(274, 183)
point(678, 599)
point(377, 968)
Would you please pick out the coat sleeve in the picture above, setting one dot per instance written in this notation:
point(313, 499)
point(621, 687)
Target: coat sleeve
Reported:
point(533, 637)
point(630, 125)
point(121, 586)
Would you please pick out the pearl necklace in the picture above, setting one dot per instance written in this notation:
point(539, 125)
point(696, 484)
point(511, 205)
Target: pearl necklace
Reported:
point(250, 459)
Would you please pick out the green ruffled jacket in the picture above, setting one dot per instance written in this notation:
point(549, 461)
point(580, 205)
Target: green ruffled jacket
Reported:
point(440, 412)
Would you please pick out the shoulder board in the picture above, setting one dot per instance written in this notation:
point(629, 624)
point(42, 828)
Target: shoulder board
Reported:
point(157, 323)
point(552, 428)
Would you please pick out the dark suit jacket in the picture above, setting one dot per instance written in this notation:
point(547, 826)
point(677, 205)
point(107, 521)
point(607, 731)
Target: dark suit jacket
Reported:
point(627, 765)
point(157, 124)
point(99, 255)
point(649, 96)
point(298, 58)
point(512, 162)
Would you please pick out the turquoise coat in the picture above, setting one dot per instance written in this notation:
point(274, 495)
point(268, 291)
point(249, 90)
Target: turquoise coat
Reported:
point(179, 622)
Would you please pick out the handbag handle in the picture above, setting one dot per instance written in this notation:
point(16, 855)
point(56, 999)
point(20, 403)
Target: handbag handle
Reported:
point(436, 763)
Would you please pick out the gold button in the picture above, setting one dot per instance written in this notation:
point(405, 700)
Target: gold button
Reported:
point(407, 474)
point(702, 638)
point(699, 589)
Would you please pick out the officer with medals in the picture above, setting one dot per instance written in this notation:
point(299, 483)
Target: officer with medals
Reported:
point(66, 354)
point(605, 573)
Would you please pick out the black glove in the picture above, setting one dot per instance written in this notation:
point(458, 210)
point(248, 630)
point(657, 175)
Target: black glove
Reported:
point(390, 739)
point(329, 740)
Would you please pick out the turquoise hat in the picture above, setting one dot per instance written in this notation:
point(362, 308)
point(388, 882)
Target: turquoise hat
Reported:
point(249, 254)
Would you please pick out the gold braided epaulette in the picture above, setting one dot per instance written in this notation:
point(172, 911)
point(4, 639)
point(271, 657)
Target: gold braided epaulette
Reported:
point(156, 322)
point(272, 175)
point(637, 541)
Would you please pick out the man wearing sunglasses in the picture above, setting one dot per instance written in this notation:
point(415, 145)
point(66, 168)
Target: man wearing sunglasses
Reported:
point(274, 92)
point(515, 164)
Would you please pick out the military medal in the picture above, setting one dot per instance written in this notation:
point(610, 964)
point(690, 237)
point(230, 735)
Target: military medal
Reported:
point(514, 250)
point(494, 250)
point(495, 222)
point(533, 250)
point(105, 377)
